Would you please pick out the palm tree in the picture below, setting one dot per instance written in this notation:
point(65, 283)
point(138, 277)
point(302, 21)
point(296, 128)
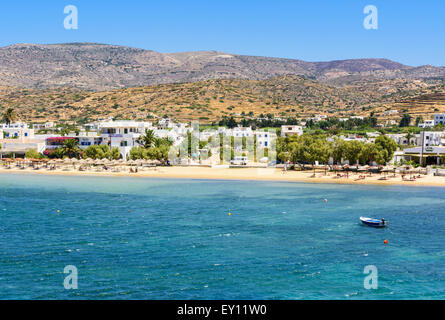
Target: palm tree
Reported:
point(147, 139)
point(71, 148)
point(409, 136)
point(9, 116)
point(158, 142)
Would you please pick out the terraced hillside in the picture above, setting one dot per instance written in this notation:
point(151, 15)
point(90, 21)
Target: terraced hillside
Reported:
point(210, 100)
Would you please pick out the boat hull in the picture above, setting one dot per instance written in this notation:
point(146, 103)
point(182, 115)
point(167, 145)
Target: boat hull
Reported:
point(376, 223)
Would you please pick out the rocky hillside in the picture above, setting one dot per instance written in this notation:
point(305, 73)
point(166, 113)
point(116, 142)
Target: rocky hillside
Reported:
point(99, 67)
point(210, 100)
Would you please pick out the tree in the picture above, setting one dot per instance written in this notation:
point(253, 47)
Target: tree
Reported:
point(352, 151)
point(147, 140)
point(409, 136)
point(32, 154)
point(320, 150)
point(71, 148)
point(115, 153)
point(387, 144)
point(372, 153)
point(231, 123)
point(309, 148)
point(9, 116)
point(102, 152)
point(405, 121)
point(338, 150)
point(137, 153)
point(419, 120)
point(159, 142)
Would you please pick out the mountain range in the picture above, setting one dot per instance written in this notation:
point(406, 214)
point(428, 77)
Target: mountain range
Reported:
point(98, 67)
point(88, 81)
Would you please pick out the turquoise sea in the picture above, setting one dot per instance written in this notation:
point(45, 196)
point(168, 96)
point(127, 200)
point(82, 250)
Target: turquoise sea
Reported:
point(141, 238)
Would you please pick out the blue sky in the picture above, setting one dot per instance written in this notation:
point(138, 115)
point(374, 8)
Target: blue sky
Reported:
point(410, 32)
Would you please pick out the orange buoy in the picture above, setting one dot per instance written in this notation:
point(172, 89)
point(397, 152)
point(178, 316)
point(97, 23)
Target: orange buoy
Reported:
point(325, 200)
point(386, 241)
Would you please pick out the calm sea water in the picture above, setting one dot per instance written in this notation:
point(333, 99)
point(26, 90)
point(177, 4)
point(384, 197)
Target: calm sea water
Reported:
point(134, 238)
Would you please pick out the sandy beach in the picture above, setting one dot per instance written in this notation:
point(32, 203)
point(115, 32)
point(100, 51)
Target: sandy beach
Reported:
point(265, 174)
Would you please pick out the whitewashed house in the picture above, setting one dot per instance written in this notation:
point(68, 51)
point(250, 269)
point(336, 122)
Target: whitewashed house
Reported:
point(17, 138)
point(439, 119)
point(291, 130)
point(426, 124)
point(264, 139)
point(123, 134)
point(391, 112)
point(165, 123)
point(240, 132)
point(16, 130)
point(44, 126)
point(400, 138)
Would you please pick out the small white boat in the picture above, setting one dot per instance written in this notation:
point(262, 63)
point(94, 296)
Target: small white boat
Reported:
point(372, 222)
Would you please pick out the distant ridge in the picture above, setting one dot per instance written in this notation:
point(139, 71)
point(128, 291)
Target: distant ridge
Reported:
point(96, 67)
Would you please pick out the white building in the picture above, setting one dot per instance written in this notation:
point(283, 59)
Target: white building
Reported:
point(318, 118)
point(18, 147)
point(432, 138)
point(264, 139)
point(291, 130)
point(390, 112)
point(439, 119)
point(240, 132)
point(430, 155)
point(122, 134)
point(352, 137)
point(401, 139)
point(44, 126)
point(17, 138)
point(16, 130)
point(165, 123)
point(426, 124)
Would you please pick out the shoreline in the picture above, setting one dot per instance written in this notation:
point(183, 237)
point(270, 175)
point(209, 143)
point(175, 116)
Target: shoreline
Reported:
point(244, 174)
